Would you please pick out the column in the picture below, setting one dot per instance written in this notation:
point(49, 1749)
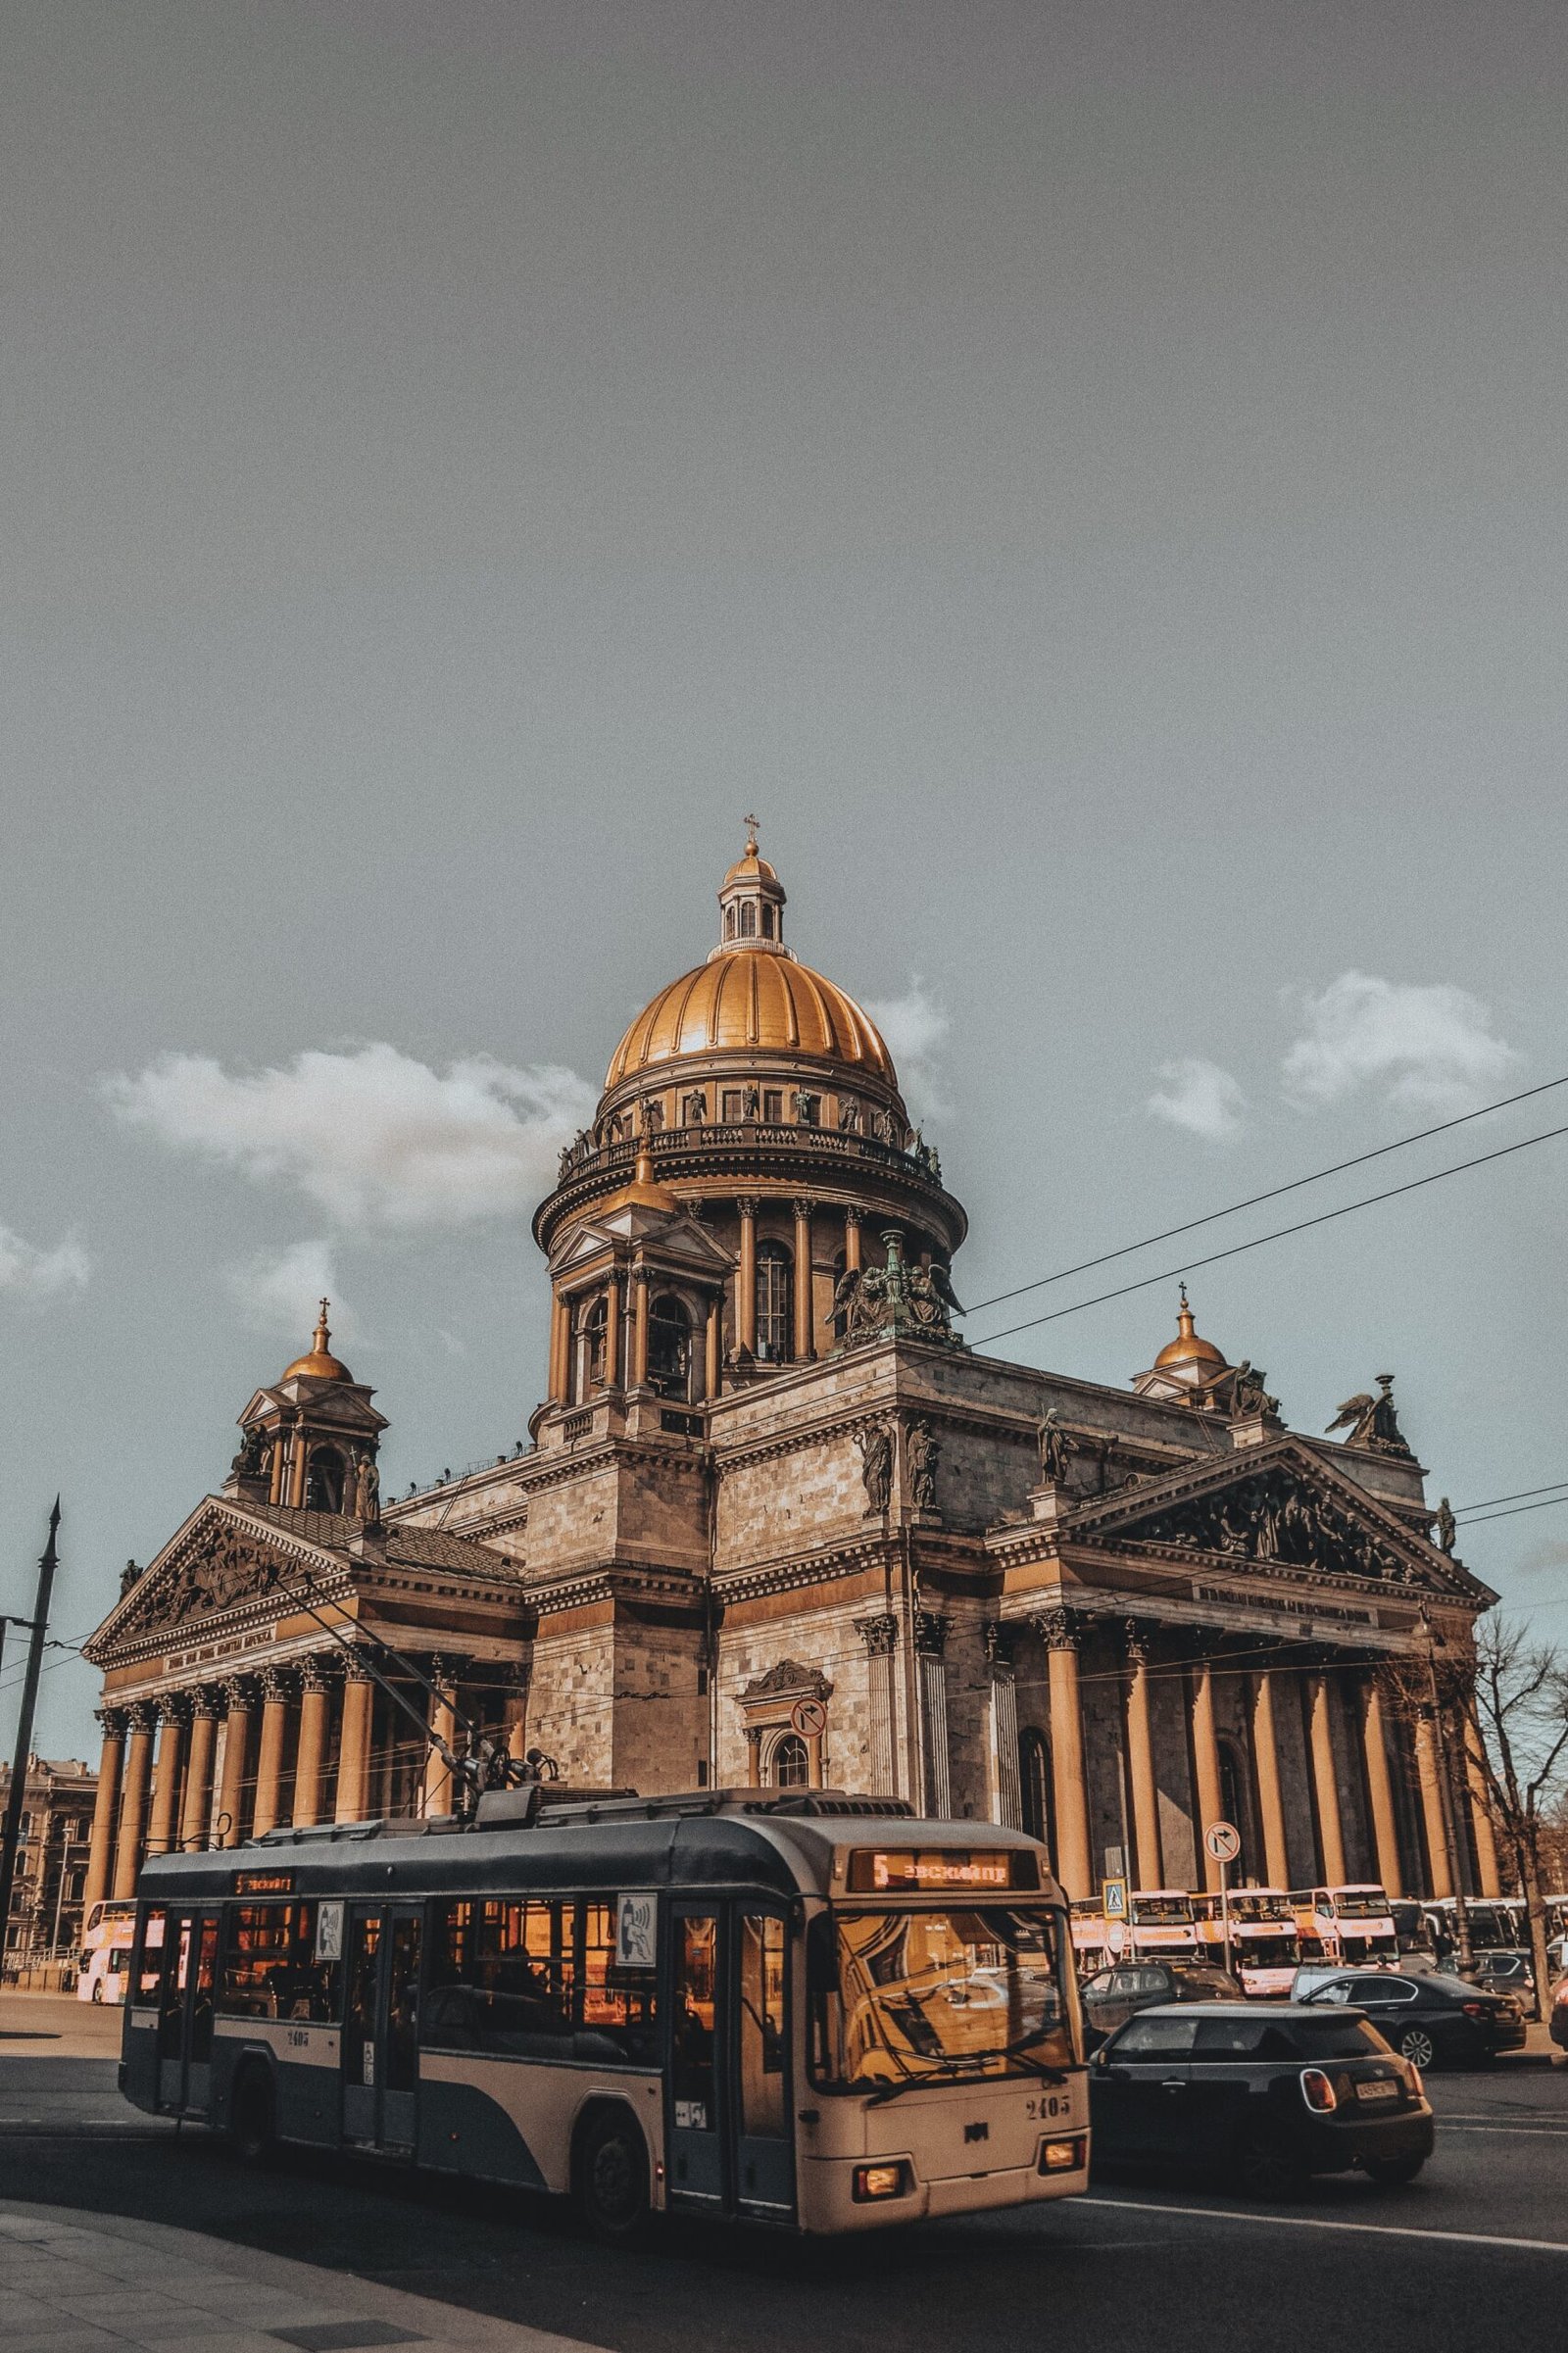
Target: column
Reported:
point(142, 1720)
point(198, 1803)
point(714, 1338)
point(639, 1328)
point(1148, 1867)
point(745, 1281)
point(852, 1240)
point(270, 1758)
point(1481, 1811)
point(1210, 1801)
point(310, 1757)
point(297, 1466)
point(805, 1337)
point(753, 1756)
point(1325, 1783)
point(240, 1694)
point(1068, 1788)
point(880, 1634)
point(1006, 1803)
point(517, 1717)
point(1380, 1790)
point(354, 1751)
point(1433, 1819)
point(438, 1792)
point(1270, 1796)
point(612, 1332)
point(104, 1807)
point(931, 1667)
point(165, 1815)
point(274, 1490)
point(560, 1349)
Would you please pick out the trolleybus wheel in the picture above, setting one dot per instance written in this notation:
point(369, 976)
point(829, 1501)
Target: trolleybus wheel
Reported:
point(611, 2176)
point(251, 2125)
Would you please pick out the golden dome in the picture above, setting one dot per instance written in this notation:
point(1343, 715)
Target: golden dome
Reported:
point(1188, 1349)
point(320, 1364)
point(752, 868)
point(751, 999)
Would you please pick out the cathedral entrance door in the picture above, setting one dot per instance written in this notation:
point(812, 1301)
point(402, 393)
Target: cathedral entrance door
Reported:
point(381, 2026)
point(729, 2131)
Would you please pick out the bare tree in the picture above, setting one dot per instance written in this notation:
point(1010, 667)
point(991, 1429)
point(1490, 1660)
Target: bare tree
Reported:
point(1518, 1690)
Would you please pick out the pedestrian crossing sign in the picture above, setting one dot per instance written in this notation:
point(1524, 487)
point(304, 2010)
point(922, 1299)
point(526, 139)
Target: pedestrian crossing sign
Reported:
point(1114, 1898)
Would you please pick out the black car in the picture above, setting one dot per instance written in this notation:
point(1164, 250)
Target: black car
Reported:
point(1506, 1969)
point(1432, 2020)
point(1117, 1995)
point(1266, 2095)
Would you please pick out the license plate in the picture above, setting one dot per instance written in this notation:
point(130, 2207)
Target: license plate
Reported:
point(1377, 2091)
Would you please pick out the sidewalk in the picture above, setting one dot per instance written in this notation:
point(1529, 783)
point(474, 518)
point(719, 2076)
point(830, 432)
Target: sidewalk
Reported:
point(72, 2286)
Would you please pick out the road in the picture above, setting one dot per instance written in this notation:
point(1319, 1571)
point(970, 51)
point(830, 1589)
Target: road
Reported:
point(1474, 2253)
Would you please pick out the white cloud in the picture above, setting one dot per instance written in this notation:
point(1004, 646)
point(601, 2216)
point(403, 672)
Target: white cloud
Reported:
point(915, 1027)
point(373, 1137)
point(1198, 1096)
point(1426, 1048)
point(279, 1292)
point(36, 1276)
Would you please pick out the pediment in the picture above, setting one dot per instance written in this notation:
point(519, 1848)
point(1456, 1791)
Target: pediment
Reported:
point(1280, 1507)
point(683, 1242)
point(218, 1561)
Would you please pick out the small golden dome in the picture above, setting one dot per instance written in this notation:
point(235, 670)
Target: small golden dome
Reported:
point(1188, 1349)
point(320, 1364)
point(752, 999)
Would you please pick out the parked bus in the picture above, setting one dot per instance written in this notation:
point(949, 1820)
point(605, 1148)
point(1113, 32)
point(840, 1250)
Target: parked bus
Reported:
point(1097, 1942)
point(103, 1965)
point(1161, 1922)
point(1265, 1942)
point(1351, 1923)
point(805, 2009)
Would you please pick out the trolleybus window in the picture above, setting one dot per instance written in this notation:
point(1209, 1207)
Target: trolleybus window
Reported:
point(150, 1967)
point(535, 1980)
point(762, 1992)
point(916, 1995)
point(692, 2032)
point(271, 1969)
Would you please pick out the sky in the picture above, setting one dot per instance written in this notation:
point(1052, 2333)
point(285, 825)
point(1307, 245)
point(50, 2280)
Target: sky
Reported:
point(1092, 480)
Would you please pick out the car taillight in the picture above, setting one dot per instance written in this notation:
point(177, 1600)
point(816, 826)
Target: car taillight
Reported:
point(1561, 1994)
point(1318, 2091)
point(1477, 2009)
point(890, 2181)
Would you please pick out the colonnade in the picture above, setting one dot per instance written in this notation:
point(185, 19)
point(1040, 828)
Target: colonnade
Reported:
point(290, 1744)
point(1063, 1631)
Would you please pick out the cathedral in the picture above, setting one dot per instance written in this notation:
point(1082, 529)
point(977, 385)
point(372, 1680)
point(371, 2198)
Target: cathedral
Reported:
point(777, 1525)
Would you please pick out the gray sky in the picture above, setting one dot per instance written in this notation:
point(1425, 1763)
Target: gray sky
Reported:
point(1092, 480)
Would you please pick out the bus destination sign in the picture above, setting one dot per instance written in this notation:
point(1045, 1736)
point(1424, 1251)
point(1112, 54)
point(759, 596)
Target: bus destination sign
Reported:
point(935, 1870)
point(264, 1883)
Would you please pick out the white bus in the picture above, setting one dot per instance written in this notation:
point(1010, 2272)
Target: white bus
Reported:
point(802, 2009)
point(1265, 1943)
point(103, 1965)
point(1353, 1923)
point(1161, 1924)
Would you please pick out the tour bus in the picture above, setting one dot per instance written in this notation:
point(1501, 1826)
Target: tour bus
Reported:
point(104, 1963)
point(799, 2008)
point(1265, 1942)
point(1097, 1942)
point(1351, 1923)
point(1161, 1922)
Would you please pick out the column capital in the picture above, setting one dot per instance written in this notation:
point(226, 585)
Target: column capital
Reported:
point(239, 1693)
point(112, 1722)
point(278, 1686)
point(205, 1701)
point(315, 1676)
point(640, 1274)
point(1059, 1629)
point(142, 1715)
point(854, 1218)
point(931, 1631)
point(880, 1634)
point(1137, 1641)
point(176, 1708)
point(999, 1640)
point(746, 1205)
point(357, 1666)
point(803, 1206)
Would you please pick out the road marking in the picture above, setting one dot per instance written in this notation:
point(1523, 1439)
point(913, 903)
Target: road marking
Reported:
point(1518, 2131)
point(1313, 2222)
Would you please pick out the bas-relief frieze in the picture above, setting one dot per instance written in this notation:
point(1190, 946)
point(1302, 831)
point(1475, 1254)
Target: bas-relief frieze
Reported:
point(216, 1570)
point(1275, 1517)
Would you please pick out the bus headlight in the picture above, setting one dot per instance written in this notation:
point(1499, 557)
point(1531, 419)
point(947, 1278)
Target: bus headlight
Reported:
point(889, 2180)
point(1060, 2156)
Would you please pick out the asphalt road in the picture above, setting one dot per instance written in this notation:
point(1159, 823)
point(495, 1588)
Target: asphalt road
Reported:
point(1474, 2254)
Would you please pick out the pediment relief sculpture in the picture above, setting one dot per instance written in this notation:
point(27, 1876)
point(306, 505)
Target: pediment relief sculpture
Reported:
point(788, 1676)
point(221, 1565)
point(1274, 1515)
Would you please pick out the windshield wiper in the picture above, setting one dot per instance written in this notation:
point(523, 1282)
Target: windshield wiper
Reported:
point(960, 2060)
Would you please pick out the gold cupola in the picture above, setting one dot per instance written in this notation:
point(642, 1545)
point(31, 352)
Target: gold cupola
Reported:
point(320, 1364)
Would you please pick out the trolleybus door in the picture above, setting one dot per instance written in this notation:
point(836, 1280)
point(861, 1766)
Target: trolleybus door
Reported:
point(382, 2026)
point(185, 2009)
point(729, 2132)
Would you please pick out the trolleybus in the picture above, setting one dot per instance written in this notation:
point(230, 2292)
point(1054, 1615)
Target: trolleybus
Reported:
point(803, 2009)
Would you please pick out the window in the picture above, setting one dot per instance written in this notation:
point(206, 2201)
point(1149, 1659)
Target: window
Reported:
point(1034, 1784)
point(597, 1329)
point(271, 1968)
point(773, 1105)
point(670, 1347)
point(150, 1965)
point(732, 1106)
point(763, 2082)
point(790, 1766)
point(1242, 2038)
point(1153, 2037)
point(748, 919)
point(773, 1304)
point(729, 922)
point(324, 1485)
point(768, 923)
point(535, 1980)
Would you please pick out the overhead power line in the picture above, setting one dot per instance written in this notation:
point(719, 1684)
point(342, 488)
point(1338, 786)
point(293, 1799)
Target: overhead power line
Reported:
point(1303, 1225)
point(1547, 1505)
point(1254, 1200)
point(1462, 1511)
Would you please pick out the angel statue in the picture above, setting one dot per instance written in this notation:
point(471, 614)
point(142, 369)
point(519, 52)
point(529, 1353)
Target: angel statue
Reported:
point(1369, 1421)
point(1056, 1449)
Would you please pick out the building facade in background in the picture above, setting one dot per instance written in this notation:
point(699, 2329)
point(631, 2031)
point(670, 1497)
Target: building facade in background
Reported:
point(778, 1524)
point(58, 1800)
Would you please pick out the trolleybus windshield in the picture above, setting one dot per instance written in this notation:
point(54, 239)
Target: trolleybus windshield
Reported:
point(922, 1996)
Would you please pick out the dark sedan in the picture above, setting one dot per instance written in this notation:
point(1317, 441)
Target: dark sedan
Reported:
point(1117, 1995)
point(1432, 2020)
point(1268, 2096)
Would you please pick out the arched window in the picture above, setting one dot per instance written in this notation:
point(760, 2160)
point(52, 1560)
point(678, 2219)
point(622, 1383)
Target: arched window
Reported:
point(597, 1331)
point(790, 1766)
point(323, 1481)
point(768, 924)
point(729, 922)
point(748, 919)
point(670, 1347)
point(1034, 1785)
point(773, 1304)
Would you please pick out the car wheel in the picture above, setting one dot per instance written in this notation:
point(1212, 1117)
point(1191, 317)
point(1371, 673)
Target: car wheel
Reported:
point(252, 2126)
point(1417, 2045)
point(1391, 2173)
point(612, 2177)
point(1263, 2165)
